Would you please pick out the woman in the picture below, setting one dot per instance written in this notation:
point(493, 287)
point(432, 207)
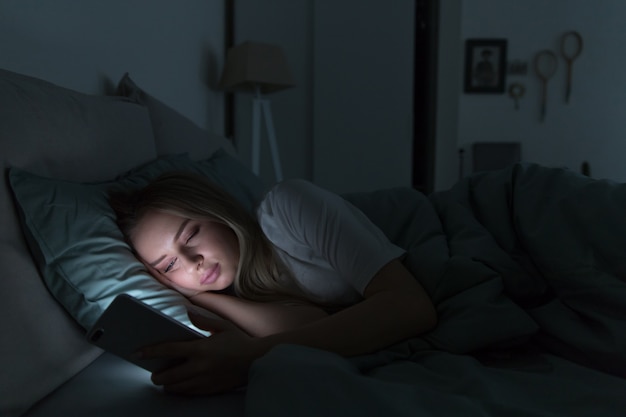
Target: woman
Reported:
point(310, 269)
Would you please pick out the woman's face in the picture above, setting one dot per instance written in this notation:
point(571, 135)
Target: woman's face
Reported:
point(194, 255)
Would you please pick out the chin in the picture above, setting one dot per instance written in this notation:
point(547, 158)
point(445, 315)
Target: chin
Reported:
point(223, 284)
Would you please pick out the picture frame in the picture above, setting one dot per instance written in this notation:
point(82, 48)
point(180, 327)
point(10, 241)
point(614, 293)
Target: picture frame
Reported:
point(485, 65)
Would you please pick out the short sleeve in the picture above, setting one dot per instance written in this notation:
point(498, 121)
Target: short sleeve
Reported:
point(316, 226)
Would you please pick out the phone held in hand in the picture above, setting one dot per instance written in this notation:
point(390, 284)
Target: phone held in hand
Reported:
point(128, 325)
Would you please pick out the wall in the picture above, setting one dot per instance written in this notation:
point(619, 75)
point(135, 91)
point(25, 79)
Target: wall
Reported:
point(590, 128)
point(363, 94)
point(173, 50)
point(347, 125)
point(286, 23)
point(449, 63)
point(176, 53)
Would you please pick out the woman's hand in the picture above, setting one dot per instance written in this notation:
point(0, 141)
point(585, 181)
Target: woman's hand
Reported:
point(213, 365)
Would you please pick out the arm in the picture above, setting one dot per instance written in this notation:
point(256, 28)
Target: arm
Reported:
point(395, 307)
point(255, 318)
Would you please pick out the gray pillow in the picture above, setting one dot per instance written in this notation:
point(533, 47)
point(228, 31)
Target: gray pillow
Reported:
point(172, 130)
point(82, 254)
point(52, 131)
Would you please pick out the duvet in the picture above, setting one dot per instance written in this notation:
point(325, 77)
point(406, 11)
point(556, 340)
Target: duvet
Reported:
point(527, 269)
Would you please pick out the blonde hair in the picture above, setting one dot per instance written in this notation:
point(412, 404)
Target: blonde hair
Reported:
point(193, 197)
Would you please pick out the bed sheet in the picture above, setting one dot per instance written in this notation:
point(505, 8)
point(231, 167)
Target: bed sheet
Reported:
point(526, 268)
point(111, 386)
point(299, 381)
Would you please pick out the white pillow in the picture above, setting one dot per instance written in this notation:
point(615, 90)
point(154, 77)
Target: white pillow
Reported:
point(52, 131)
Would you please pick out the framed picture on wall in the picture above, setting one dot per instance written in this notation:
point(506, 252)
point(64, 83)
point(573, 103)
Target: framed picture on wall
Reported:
point(485, 65)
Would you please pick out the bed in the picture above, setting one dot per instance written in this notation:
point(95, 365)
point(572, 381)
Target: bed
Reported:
point(525, 266)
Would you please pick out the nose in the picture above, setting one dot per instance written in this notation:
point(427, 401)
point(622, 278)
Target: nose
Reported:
point(193, 262)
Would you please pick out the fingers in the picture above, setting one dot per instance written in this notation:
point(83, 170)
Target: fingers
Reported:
point(191, 379)
point(176, 374)
point(201, 385)
point(167, 350)
point(185, 368)
point(194, 376)
point(193, 386)
point(206, 366)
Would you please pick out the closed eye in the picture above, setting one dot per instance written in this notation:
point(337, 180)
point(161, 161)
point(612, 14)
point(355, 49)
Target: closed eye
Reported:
point(170, 266)
point(192, 234)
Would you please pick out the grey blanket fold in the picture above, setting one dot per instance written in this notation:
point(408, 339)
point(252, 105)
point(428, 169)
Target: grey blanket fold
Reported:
point(527, 268)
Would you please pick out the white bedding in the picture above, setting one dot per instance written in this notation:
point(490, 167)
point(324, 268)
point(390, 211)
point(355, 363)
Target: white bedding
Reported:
point(112, 387)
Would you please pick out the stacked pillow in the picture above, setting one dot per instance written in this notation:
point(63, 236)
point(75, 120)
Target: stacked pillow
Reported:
point(82, 254)
point(63, 149)
point(60, 133)
point(172, 130)
point(71, 228)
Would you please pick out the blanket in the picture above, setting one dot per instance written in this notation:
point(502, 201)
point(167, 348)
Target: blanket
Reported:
point(526, 268)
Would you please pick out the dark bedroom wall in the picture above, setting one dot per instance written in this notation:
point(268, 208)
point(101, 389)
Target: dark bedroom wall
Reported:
point(174, 50)
point(590, 128)
point(347, 125)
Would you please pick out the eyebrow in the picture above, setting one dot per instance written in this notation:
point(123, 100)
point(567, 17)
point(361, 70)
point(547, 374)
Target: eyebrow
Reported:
point(180, 231)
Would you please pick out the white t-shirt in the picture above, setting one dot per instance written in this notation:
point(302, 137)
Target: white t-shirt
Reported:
point(330, 246)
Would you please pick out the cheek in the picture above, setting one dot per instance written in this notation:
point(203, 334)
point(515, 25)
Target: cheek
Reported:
point(178, 277)
point(224, 240)
point(157, 275)
point(183, 285)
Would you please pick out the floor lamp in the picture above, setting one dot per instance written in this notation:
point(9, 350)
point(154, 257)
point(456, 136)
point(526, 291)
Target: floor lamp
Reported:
point(260, 69)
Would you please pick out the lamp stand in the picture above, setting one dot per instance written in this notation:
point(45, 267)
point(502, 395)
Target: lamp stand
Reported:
point(261, 107)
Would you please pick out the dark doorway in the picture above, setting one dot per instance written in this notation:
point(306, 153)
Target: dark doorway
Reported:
point(424, 94)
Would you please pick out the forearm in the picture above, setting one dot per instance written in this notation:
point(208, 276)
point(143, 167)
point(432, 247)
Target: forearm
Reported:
point(368, 326)
point(396, 307)
point(256, 318)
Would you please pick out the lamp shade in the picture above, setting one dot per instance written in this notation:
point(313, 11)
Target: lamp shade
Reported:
point(252, 65)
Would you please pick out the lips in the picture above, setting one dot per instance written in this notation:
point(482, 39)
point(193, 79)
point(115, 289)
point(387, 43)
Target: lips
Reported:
point(211, 275)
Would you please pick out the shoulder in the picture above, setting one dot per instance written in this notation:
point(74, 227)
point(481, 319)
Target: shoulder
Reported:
point(285, 210)
point(296, 195)
point(293, 188)
point(298, 207)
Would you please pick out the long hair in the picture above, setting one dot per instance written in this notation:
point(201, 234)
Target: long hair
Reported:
point(193, 197)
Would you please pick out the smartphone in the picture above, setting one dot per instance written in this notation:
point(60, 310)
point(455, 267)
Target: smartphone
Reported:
point(128, 325)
